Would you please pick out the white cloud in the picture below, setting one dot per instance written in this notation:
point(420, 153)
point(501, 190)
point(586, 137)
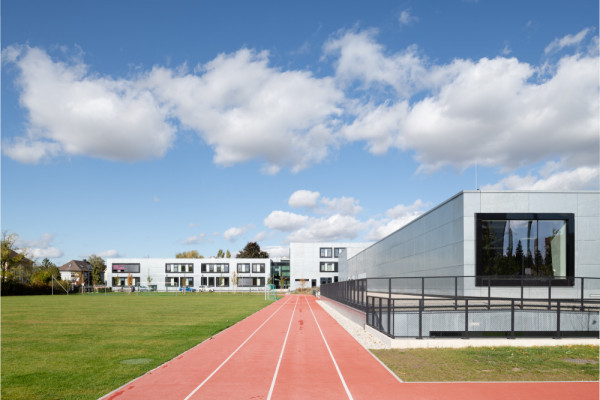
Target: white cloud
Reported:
point(39, 248)
point(277, 251)
point(303, 198)
point(361, 59)
point(342, 205)
point(582, 178)
point(260, 236)
point(245, 109)
point(73, 112)
point(396, 218)
point(406, 18)
point(285, 221)
point(112, 253)
point(335, 227)
point(566, 41)
point(498, 112)
point(200, 238)
point(233, 233)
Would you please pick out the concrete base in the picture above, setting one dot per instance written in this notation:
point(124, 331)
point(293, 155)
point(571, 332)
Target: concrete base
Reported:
point(427, 343)
point(355, 318)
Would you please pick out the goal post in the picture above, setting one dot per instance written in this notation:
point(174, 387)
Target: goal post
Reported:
point(270, 293)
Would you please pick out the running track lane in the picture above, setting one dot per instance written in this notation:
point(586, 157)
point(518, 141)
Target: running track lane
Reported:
point(294, 349)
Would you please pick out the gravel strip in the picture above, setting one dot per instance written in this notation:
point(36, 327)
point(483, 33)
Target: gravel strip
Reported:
point(367, 340)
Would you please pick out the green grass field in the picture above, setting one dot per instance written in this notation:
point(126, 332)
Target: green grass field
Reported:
point(560, 363)
point(82, 347)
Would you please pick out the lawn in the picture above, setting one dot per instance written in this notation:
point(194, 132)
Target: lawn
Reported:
point(82, 347)
point(560, 363)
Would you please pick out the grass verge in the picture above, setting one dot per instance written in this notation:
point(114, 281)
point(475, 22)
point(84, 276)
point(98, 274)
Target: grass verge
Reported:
point(560, 363)
point(82, 347)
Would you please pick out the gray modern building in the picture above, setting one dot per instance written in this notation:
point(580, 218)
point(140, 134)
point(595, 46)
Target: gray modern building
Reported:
point(494, 238)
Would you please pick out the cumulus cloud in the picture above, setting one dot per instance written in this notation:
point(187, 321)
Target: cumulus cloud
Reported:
point(360, 59)
point(71, 111)
point(200, 238)
point(233, 233)
point(335, 227)
point(277, 251)
point(581, 178)
point(497, 112)
point(245, 109)
point(40, 248)
point(396, 218)
point(303, 198)
point(112, 253)
point(285, 221)
point(406, 18)
point(342, 205)
point(566, 41)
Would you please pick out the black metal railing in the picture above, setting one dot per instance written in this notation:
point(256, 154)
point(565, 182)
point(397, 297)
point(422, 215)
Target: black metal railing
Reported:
point(473, 306)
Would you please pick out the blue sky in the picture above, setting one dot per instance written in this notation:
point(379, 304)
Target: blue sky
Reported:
point(146, 128)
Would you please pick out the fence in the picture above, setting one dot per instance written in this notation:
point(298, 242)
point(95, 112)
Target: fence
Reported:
point(438, 307)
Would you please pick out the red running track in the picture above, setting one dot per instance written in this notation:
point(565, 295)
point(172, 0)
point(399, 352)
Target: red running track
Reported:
point(293, 349)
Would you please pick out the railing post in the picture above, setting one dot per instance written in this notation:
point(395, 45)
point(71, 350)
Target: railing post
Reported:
point(582, 305)
point(380, 315)
point(557, 319)
point(420, 319)
point(466, 335)
point(549, 293)
point(456, 293)
point(512, 319)
point(521, 290)
point(489, 292)
point(423, 287)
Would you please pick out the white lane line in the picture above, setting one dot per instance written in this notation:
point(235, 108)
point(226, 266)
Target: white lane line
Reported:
point(331, 355)
point(235, 351)
point(281, 355)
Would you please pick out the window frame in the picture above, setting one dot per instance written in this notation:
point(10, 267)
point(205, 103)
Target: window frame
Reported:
point(569, 280)
point(337, 250)
point(112, 267)
point(322, 264)
point(323, 252)
point(258, 270)
point(243, 272)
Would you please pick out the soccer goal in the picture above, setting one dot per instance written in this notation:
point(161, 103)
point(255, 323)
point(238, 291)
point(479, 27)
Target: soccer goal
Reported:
point(270, 293)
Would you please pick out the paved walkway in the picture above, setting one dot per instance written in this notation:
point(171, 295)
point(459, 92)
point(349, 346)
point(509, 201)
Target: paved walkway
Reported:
point(293, 349)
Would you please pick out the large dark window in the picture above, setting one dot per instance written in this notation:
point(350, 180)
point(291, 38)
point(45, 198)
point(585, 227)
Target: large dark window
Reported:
point(528, 246)
point(125, 268)
point(325, 252)
point(328, 267)
point(258, 268)
point(243, 268)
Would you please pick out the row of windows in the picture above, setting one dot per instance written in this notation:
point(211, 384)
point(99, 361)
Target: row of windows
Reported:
point(189, 268)
point(256, 268)
point(326, 252)
point(179, 267)
point(215, 268)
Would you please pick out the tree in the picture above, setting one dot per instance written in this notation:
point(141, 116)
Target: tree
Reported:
point(252, 250)
point(220, 254)
point(43, 274)
point(130, 280)
point(189, 254)
point(15, 263)
point(228, 254)
point(98, 268)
